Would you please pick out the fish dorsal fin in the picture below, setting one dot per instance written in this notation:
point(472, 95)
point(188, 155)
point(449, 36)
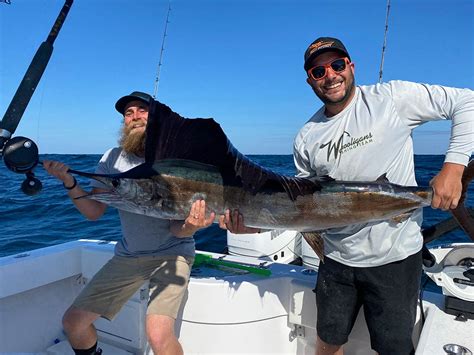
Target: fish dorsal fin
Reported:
point(382, 178)
point(170, 164)
point(185, 163)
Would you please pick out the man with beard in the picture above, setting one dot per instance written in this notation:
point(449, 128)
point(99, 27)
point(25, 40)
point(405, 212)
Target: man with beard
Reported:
point(363, 133)
point(153, 249)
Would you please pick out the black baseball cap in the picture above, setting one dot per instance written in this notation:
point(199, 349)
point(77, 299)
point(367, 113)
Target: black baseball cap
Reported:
point(136, 95)
point(321, 45)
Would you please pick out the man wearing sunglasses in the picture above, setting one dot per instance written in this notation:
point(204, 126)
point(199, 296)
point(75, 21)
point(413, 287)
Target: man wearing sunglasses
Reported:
point(362, 133)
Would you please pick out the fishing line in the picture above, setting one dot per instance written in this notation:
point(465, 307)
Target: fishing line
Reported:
point(38, 119)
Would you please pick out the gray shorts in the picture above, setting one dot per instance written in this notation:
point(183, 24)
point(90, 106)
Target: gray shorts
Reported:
point(121, 277)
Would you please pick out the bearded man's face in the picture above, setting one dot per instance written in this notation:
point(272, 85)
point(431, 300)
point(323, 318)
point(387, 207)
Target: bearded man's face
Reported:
point(133, 135)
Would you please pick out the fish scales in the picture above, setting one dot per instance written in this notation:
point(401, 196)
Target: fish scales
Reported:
point(174, 185)
point(228, 179)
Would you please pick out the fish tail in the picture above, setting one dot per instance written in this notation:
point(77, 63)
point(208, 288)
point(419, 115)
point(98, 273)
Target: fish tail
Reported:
point(316, 242)
point(461, 213)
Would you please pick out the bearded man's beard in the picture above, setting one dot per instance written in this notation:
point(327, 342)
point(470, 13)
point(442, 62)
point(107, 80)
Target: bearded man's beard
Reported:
point(132, 142)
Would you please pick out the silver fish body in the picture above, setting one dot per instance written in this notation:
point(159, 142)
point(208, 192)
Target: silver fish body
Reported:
point(174, 185)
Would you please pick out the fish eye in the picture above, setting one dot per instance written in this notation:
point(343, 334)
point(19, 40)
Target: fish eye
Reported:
point(115, 183)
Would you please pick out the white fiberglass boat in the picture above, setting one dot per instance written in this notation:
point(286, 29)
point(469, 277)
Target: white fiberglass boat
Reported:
point(247, 303)
point(242, 305)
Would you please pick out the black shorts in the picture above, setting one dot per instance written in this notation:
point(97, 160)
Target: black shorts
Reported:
point(388, 293)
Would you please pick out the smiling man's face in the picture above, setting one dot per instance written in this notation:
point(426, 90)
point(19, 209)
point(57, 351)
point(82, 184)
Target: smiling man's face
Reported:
point(335, 89)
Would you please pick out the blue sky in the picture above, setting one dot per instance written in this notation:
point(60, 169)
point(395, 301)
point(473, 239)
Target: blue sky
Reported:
point(240, 62)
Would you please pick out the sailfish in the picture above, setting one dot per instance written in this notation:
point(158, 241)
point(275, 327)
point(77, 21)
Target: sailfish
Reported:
point(190, 159)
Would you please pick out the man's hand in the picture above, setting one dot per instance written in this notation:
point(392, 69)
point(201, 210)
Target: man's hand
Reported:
point(197, 216)
point(58, 170)
point(234, 223)
point(447, 186)
point(196, 220)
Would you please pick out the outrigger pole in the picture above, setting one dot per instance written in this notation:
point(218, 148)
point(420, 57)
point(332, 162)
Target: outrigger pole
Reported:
point(20, 154)
point(158, 71)
point(384, 41)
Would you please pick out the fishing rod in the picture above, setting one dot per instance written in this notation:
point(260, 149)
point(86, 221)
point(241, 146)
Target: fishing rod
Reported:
point(20, 154)
point(384, 41)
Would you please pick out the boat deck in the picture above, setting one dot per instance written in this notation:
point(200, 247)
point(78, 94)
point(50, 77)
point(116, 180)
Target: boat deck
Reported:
point(227, 310)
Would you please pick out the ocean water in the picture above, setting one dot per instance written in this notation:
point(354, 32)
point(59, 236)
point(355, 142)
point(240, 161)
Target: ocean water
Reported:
point(49, 218)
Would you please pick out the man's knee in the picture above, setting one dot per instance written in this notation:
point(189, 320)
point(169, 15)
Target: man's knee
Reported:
point(75, 320)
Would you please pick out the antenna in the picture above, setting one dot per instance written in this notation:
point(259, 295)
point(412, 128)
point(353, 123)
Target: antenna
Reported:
point(384, 41)
point(157, 80)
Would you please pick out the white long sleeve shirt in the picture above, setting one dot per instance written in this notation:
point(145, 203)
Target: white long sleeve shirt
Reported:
point(372, 136)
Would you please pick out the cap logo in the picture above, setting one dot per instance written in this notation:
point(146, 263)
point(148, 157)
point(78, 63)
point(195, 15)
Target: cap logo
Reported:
point(319, 45)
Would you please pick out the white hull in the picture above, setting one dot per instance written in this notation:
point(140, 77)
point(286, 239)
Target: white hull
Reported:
point(225, 312)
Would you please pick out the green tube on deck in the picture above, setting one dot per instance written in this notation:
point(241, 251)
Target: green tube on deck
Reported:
point(204, 259)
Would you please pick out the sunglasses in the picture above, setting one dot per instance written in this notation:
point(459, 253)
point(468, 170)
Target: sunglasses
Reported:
point(320, 71)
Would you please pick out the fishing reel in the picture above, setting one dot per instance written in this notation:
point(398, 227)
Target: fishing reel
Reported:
point(20, 155)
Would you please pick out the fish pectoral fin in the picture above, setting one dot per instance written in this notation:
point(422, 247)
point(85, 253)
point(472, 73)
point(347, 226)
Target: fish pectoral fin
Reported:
point(322, 178)
point(383, 178)
point(316, 242)
point(402, 217)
